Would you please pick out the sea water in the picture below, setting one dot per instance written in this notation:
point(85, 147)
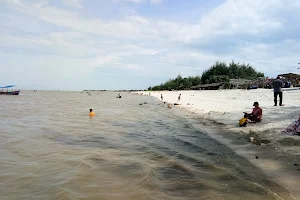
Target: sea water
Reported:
point(51, 149)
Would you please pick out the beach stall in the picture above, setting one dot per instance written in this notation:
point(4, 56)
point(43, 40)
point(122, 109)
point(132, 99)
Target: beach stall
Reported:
point(212, 86)
point(291, 78)
point(9, 90)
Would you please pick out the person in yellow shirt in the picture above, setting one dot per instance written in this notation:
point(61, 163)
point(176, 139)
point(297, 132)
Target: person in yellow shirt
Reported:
point(92, 114)
point(243, 122)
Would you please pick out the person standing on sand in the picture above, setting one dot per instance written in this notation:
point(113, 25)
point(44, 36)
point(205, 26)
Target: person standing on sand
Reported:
point(92, 114)
point(179, 97)
point(161, 97)
point(277, 85)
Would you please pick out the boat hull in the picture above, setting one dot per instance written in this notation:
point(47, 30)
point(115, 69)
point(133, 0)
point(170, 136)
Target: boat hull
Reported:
point(10, 93)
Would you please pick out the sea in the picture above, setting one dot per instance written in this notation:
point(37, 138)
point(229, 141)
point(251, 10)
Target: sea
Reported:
point(135, 148)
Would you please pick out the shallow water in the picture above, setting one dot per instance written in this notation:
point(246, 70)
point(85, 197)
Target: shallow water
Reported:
point(51, 149)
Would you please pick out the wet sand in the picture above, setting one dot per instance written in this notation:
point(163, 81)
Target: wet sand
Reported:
point(278, 165)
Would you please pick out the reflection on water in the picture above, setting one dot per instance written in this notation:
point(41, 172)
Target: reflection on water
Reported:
point(51, 149)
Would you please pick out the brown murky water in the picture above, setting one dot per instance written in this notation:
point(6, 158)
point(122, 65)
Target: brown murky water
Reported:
point(51, 149)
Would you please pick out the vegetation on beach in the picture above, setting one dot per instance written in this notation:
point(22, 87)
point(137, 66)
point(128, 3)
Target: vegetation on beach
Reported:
point(219, 72)
point(178, 83)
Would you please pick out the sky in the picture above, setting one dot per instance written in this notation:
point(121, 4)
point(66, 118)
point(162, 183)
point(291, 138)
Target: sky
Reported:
point(133, 44)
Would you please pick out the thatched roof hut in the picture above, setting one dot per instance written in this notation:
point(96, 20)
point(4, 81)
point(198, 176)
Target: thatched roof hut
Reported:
point(293, 78)
point(212, 86)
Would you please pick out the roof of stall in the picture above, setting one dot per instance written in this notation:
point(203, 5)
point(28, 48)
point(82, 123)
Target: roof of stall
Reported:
point(8, 86)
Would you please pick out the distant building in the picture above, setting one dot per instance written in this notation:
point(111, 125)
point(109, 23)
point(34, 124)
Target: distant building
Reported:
point(291, 78)
point(212, 86)
point(234, 84)
point(247, 84)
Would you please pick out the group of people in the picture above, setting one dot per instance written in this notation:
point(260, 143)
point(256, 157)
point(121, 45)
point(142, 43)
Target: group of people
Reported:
point(162, 98)
point(253, 117)
point(256, 115)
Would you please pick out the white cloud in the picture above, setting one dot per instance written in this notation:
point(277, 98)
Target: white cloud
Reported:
point(73, 3)
point(141, 1)
point(256, 32)
point(231, 18)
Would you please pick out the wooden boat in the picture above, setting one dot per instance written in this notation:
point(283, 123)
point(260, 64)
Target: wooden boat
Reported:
point(9, 90)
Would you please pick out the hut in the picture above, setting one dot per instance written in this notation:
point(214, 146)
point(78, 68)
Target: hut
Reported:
point(246, 83)
point(196, 87)
point(294, 79)
point(212, 86)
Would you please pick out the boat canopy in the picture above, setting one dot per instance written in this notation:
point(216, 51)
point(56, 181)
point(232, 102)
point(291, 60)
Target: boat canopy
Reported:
point(8, 86)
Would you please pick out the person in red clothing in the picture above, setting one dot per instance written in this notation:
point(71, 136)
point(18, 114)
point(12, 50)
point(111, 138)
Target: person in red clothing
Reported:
point(256, 115)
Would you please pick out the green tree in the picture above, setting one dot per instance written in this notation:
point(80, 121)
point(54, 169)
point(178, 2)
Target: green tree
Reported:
point(219, 72)
point(179, 83)
point(219, 78)
point(232, 70)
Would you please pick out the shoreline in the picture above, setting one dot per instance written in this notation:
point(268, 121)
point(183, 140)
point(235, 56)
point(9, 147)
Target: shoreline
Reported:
point(277, 158)
point(277, 165)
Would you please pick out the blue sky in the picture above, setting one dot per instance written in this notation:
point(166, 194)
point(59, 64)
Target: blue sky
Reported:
point(132, 44)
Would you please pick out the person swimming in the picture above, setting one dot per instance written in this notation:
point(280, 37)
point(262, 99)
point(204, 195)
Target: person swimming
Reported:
point(92, 113)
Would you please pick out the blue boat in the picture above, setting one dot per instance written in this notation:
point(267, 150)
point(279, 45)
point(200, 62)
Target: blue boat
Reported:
point(9, 90)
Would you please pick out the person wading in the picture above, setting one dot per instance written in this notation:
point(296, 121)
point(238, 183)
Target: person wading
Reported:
point(277, 84)
point(92, 114)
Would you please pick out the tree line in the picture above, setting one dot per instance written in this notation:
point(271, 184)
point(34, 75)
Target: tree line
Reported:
point(219, 72)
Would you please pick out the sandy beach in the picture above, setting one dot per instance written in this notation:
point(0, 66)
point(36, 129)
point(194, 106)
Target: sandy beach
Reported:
point(227, 106)
point(279, 153)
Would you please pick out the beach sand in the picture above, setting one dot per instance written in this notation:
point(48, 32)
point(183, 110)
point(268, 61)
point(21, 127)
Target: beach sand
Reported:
point(277, 154)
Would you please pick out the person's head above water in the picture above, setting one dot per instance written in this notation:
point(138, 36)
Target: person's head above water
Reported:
point(256, 104)
point(91, 114)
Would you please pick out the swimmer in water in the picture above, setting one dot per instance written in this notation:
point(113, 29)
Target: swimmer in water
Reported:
point(92, 114)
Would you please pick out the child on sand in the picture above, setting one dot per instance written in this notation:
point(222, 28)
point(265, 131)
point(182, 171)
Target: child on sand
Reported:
point(243, 122)
point(92, 113)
